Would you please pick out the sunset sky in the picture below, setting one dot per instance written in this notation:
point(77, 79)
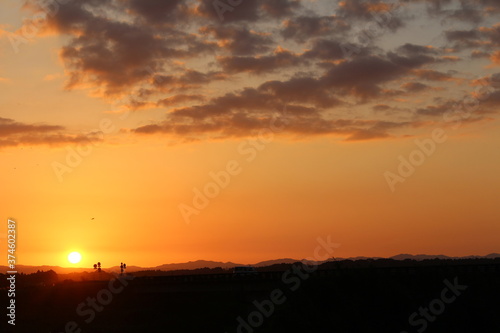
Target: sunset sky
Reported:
point(374, 122)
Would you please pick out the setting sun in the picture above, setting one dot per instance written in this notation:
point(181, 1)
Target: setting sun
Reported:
point(74, 257)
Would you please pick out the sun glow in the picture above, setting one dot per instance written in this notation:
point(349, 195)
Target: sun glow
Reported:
point(74, 257)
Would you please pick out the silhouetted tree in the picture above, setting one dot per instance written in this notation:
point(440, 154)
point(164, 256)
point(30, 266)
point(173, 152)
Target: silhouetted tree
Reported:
point(99, 267)
point(42, 278)
point(123, 267)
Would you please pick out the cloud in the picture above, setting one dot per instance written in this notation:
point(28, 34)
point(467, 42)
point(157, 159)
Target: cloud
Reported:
point(280, 8)
point(457, 35)
point(245, 11)
point(159, 11)
point(13, 133)
point(308, 97)
point(467, 14)
point(485, 99)
point(362, 8)
point(224, 74)
point(114, 55)
point(495, 58)
point(281, 58)
point(11, 127)
point(381, 107)
point(410, 49)
point(325, 49)
point(439, 109)
point(363, 135)
point(239, 40)
point(363, 76)
point(433, 75)
point(251, 109)
point(187, 79)
point(239, 124)
point(177, 99)
point(302, 89)
point(487, 91)
point(468, 11)
point(479, 54)
point(303, 28)
point(484, 41)
point(414, 86)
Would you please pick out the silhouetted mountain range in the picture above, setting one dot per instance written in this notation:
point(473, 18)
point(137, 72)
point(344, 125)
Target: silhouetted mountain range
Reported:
point(440, 256)
point(194, 265)
point(190, 265)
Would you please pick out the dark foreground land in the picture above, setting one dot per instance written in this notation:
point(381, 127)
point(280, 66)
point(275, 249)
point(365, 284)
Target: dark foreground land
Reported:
point(368, 296)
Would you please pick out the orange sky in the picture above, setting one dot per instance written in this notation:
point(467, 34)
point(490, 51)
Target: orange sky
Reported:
point(112, 118)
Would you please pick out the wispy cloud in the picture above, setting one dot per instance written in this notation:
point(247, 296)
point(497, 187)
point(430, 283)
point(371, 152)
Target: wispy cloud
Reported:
point(13, 133)
point(176, 55)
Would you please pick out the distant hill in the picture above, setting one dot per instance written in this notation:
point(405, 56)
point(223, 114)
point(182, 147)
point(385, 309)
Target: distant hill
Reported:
point(440, 256)
point(196, 264)
point(357, 258)
point(190, 265)
point(419, 257)
point(276, 261)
